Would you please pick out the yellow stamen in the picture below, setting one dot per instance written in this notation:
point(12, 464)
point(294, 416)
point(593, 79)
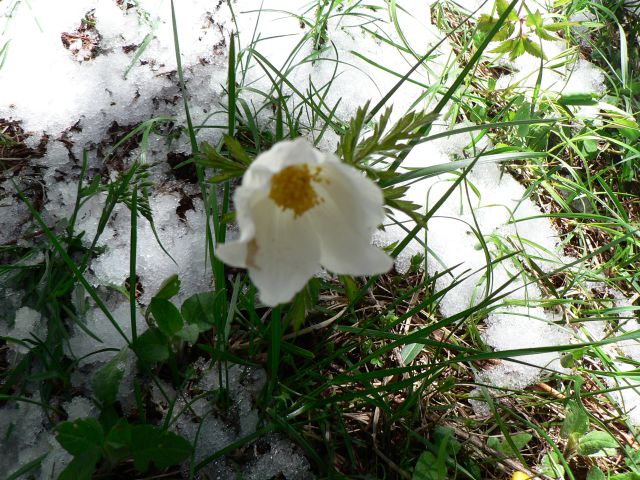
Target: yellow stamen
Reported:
point(291, 188)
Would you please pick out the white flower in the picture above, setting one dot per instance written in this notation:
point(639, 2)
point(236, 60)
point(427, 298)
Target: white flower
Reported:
point(299, 209)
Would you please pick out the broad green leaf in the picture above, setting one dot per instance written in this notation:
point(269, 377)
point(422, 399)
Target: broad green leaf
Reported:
point(80, 436)
point(152, 346)
point(576, 420)
point(520, 440)
point(625, 476)
point(598, 444)
point(169, 288)
point(106, 381)
point(199, 310)
point(189, 333)
point(117, 445)
point(628, 128)
point(551, 466)
point(82, 467)
point(152, 445)
point(596, 474)
point(428, 468)
point(167, 316)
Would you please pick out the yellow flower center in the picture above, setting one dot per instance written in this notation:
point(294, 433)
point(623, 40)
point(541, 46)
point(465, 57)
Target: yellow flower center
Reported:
point(291, 188)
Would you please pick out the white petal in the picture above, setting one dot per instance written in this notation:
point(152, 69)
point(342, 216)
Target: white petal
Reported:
point(284, 154)
point(286, 253)
point(344, 221)
point(233, 253)
point(353, 192)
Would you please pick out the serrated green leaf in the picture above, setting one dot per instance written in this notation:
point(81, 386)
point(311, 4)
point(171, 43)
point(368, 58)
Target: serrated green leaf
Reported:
point(167, 316)
point(501, 7)
point(486, 24)
point(152, 445)
point(532, 48)
point(576, 420)
point(534, 20)
point(598, 444)
point(557, 26)
point(505, 47)
point(236, 150)
point(519, 49)
point(169, 288)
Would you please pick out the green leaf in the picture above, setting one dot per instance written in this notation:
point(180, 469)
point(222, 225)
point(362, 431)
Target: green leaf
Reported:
point(598, 444)
point(152, 445)
point(118, 443)
point(199, 310)
point(506, 47)
point(227, 168)
point(106, 381)
point(82, 467)
point(519, 440)
point(628, 128)
point(624, 476)
point(236, 150)
point(533, 48)
point(189, 333)
point(596, 474)
point(577, 99)
point(486, 24)
point(169, 288)
point(518, 49)
point(80, 436)
point(576, 420)
point(551, 465)
point(152, 346)
point(410, 352)
point(534, 20)
point(429, 468)
point(501, 7)
point(167, 316)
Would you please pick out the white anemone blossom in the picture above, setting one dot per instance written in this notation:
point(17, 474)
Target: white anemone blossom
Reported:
point(298, 210)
